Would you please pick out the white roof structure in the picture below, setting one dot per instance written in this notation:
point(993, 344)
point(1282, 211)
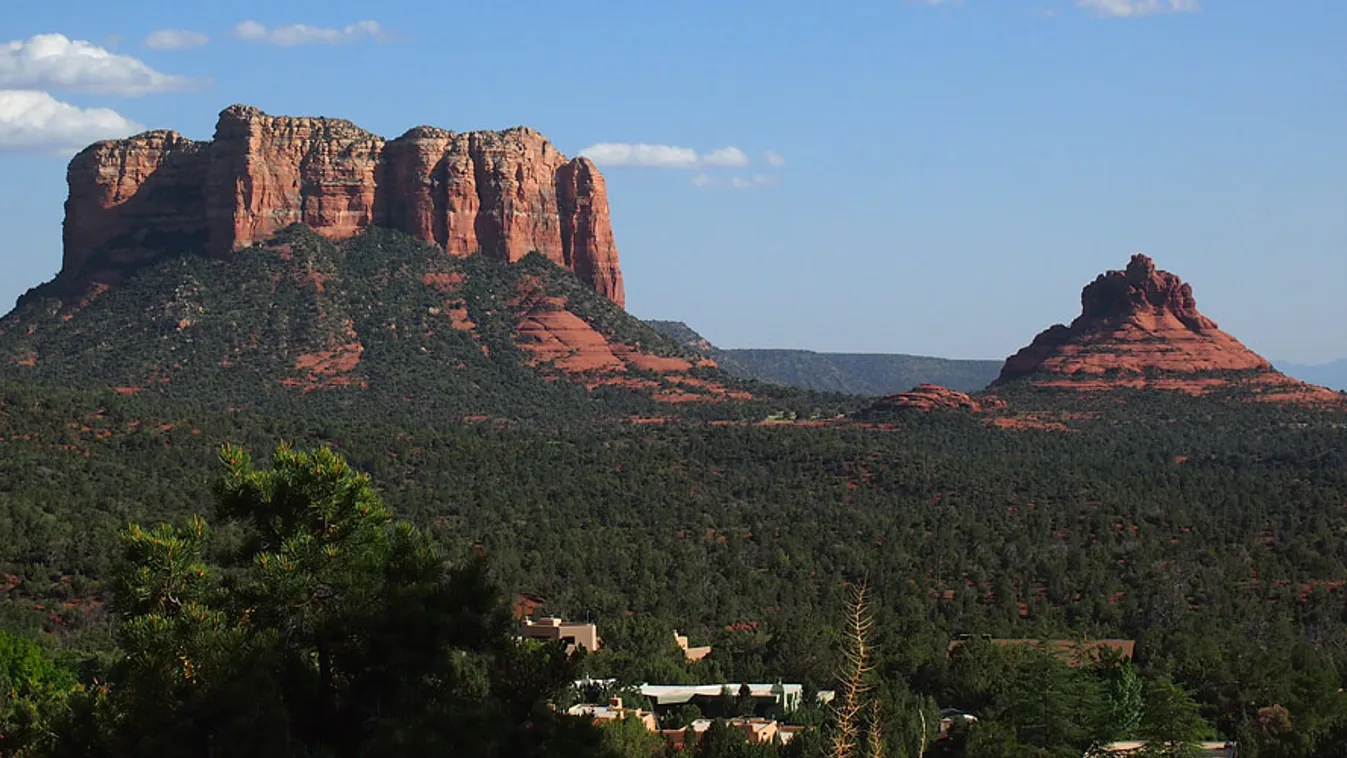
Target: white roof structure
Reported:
point(675, 694)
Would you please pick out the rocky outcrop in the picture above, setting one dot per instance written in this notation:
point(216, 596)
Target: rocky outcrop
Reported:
point(932, 397)
point(1140, 328)
point(131, 196)
point(503, 194)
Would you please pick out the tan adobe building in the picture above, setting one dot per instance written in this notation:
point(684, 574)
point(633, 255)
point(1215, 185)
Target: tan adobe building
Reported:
point(691, 653)
point(755, 730)
point(550, 628)
point(613, 712)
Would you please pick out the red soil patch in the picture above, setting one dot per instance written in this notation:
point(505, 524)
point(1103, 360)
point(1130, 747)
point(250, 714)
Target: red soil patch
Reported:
point(338, 361)
point(646, 362)
point(325, 369)
point(458, 317)
point(126, 390)
point(1029, 421)
point(443, 282)
point(674, 396)
point(29, 360)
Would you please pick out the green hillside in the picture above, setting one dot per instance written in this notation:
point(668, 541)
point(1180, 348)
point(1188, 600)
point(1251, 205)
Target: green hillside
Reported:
point(851, 373)
point(377, 325)
point(1207, 529)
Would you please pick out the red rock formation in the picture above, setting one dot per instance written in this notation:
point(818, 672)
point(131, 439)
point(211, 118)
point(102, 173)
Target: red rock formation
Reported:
point(129, 195)
point(503, 194)
point(930, 397)
point(560, 342)
point(1140, 328)
point(267, 173)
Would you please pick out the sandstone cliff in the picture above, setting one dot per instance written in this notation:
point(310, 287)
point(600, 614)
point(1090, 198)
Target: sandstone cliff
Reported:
point(503, 194)
point(1140, 327)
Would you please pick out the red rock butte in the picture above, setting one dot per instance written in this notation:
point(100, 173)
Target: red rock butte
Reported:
point(1140, 327)
point(503, 194)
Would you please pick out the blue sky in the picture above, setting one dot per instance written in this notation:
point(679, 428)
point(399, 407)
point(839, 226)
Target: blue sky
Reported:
point(926, 177)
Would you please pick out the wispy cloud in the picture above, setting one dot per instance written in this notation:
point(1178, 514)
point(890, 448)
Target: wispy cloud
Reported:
point(662, 156)
point(751, 182)
point(293, 35)
point(175, 39)
point(725, 156)
point(734, 182)
point(32, 121)
point(54, 62)
point(1135, 8)
point(773, 159)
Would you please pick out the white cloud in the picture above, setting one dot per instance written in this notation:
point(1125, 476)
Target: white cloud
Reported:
point(302, 34)
point(1134, 8)
point(725, 156)
point(774, 159)
point(656, 156)
point(175, 39)
point(32, 121)
point(51, 61)
point(662, 156)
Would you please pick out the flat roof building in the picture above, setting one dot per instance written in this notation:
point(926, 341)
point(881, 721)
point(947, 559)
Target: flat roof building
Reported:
point(574, 635)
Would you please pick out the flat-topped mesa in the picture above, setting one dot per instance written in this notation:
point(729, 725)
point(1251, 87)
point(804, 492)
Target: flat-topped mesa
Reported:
point(1140, 327)
point(503, 194)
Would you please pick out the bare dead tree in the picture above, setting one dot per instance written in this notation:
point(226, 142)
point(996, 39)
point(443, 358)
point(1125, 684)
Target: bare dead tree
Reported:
point(855, 678)
point(875, 732)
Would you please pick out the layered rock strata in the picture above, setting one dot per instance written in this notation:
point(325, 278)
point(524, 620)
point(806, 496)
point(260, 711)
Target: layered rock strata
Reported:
point(503, 194)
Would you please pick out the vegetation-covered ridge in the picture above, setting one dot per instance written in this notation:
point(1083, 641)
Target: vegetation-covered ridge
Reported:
point(1207, 530)
point(380, 323)
point(851, 373)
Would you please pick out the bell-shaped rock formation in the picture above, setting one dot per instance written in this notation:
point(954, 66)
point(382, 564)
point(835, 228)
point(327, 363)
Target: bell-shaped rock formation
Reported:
point(1140, 327)
point(503, 194)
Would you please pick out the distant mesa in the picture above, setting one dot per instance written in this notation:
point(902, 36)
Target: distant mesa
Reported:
point(503, 194)
point(870, 374)
point(1140, 327)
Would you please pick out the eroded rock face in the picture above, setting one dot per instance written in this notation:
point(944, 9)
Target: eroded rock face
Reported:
point(1140, 328)
point(504, 194)
point(133, 195)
